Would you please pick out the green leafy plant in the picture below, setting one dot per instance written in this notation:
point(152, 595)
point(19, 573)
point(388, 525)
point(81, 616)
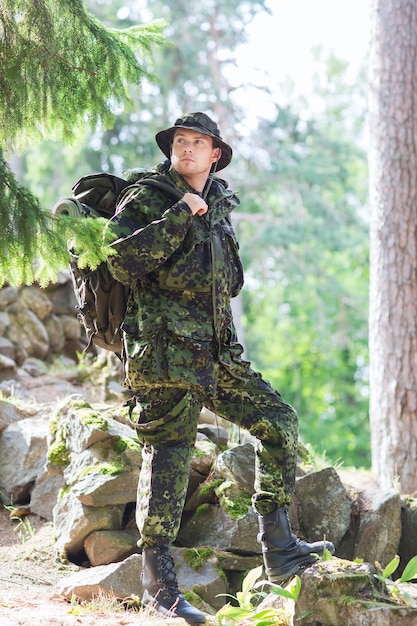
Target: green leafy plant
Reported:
point(247, 601)
point(409, 574)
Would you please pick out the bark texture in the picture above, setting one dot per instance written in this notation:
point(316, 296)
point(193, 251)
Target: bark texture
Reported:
point(393, 250)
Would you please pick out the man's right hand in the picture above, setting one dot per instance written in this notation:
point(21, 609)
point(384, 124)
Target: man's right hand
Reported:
point(197, 205)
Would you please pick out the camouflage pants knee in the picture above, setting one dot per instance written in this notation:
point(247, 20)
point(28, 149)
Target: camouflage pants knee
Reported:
point(167, 426)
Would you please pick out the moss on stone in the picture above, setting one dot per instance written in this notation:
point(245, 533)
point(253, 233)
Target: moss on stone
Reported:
point(124, 443)
point(209, 487)
point(196, 557)
point(193, 598)
point(199, 454)
point(234, 502)
point(105, 468)
point(58, 453)
point(89, 417)
point(77, 403)
point(63, 492)
point(201, 509)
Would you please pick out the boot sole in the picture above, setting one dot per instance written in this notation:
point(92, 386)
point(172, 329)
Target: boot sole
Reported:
point(152, 604)
point(280, 576)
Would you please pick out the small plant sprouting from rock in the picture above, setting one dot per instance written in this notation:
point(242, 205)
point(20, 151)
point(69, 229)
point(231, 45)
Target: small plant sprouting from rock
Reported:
point(396, 587)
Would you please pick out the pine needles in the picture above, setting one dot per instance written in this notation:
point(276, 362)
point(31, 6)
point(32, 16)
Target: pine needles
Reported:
point(61, 72)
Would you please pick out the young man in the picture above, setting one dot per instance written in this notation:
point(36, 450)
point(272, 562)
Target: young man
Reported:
point(178, 252)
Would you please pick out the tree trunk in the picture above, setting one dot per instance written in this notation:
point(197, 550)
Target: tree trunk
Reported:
point(393, 250)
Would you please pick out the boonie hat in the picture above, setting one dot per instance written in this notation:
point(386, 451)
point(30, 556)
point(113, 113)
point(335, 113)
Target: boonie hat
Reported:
point(201, 123)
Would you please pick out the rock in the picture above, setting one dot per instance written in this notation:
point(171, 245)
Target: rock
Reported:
point(216, 433)
point(8, 350)
point(204, 455)
point(22, 457)
point(111, 546)
point(7, 367)
point(34, 367)
point(96, 489)
point(379, 531)
point(238, 465)
point(342, 593)
point(8, 296)
point(194, 482)
point(86, 426)
point(322, 507)
point(74, 522)
point(27, 331)
point(45, 494)
point(54, 328)
point(121, 580)
point(35, 300)
point(407, 548)
point(211, 526)
point(8, 414)
point(204, 580)
point(71, 327)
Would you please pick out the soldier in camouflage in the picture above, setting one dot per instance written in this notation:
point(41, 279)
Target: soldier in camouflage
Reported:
point(177, 250)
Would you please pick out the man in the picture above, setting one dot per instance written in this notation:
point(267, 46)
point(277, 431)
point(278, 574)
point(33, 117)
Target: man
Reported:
point(177, 250)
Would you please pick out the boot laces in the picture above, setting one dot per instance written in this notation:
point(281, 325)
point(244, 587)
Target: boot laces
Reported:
point(169, 574)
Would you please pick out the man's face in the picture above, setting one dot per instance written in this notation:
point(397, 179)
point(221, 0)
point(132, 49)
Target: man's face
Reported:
point(193, 153)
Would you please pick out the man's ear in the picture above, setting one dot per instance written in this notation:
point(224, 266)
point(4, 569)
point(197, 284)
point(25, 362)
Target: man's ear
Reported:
point(217, 153)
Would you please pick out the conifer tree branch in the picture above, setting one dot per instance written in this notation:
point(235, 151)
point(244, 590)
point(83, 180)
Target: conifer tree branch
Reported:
point(61, 72)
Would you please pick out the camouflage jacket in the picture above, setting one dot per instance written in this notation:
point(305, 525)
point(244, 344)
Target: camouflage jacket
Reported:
point(183, 271)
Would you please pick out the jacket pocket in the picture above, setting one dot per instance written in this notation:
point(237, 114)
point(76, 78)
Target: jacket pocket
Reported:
point(170, 353)
point(144, 353)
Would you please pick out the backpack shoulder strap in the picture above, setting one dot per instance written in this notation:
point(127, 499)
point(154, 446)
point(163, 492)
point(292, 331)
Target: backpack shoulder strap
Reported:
point(157, 181)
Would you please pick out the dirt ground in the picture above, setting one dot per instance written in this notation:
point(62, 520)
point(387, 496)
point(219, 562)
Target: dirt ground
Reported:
point(28, 577)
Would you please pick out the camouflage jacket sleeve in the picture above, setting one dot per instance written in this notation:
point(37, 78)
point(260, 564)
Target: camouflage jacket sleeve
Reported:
point(146, 234)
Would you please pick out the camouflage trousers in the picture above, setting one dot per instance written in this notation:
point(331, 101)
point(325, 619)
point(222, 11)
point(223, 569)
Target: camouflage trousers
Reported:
point(167, 427)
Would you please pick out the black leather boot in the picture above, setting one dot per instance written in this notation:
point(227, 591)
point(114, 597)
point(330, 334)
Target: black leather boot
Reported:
point(284, 554)
point(159, 579)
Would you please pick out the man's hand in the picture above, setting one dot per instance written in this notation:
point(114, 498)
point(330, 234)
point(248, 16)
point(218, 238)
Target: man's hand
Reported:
point(197, 205)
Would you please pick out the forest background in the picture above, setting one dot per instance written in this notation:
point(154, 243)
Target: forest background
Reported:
point(301, 174)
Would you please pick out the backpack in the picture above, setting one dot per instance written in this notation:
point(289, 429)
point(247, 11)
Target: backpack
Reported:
point(101, 299)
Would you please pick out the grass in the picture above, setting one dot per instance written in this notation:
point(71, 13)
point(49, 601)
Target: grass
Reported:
point(106, 605)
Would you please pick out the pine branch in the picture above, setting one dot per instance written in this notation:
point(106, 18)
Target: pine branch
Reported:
point(62, 71)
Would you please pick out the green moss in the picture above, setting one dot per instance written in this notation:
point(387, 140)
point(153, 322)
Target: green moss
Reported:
point(78, 403)
point(63, 492)
point(238, 507)
point(93, 418)
point(196, 557)
point(194, 599)
point(123, 443)
point(53, 425)
point(107, 469)
point(207, 488)
point(200, 510)
point(58, 454)
point(237, 503)
point(199, 454)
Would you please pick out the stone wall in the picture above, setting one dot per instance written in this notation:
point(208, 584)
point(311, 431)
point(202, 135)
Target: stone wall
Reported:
point(38, 325)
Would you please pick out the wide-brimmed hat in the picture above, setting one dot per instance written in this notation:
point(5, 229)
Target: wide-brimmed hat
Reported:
point(201, 123)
